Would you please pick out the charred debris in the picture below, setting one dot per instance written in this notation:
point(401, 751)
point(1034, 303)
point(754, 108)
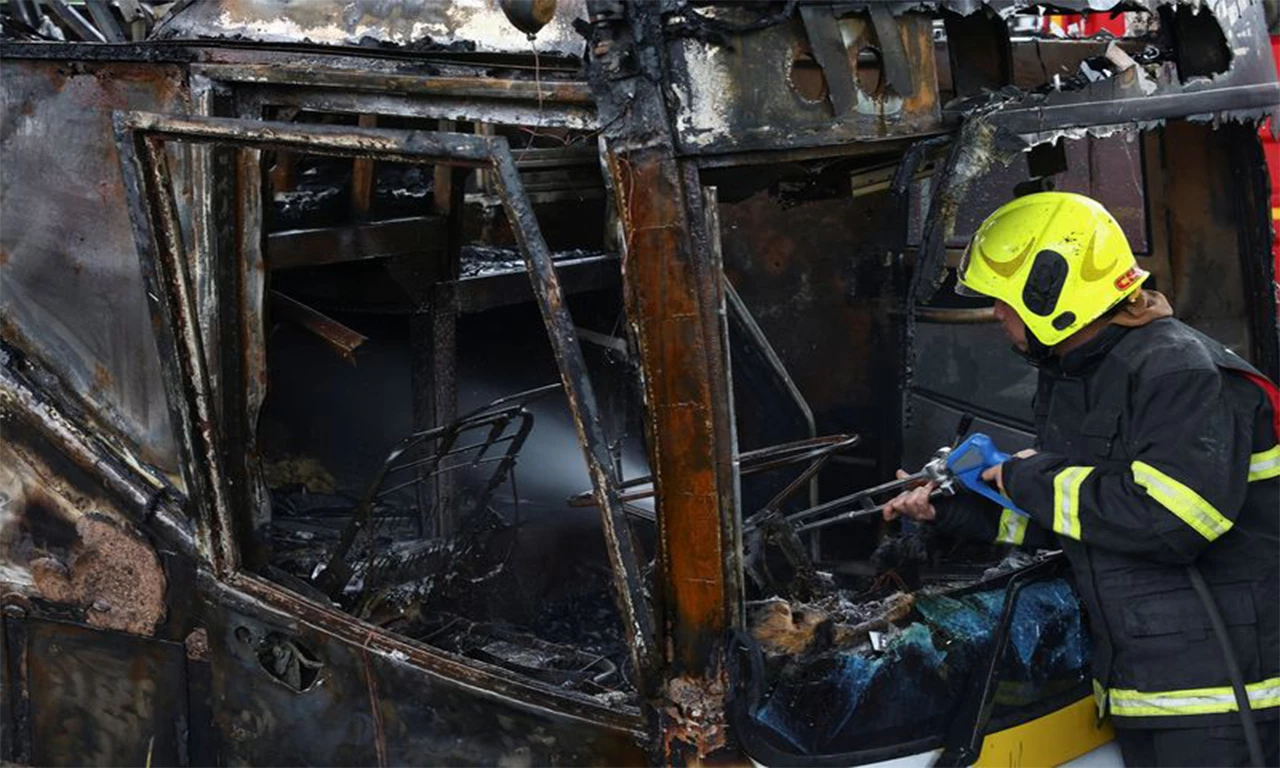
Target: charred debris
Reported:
point(380, 377)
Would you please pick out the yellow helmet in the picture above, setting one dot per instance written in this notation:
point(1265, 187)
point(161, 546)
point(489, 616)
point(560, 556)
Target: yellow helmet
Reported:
point(1057, 258)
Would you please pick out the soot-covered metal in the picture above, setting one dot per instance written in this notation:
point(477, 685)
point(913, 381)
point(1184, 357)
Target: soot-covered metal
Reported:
point(394, 383)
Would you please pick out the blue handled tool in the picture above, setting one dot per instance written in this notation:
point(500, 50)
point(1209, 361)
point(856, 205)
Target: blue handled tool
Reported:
point(962, 465)
point(968, 460)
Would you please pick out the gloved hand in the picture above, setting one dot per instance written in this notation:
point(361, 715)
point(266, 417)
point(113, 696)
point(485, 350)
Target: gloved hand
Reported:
point(996, 474)
point(913, 503)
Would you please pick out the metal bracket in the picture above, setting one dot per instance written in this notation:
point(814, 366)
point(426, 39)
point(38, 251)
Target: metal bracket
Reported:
point(897, 66)
point(831, 54)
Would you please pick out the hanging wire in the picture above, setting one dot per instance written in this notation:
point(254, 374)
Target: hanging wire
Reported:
point(537, 83)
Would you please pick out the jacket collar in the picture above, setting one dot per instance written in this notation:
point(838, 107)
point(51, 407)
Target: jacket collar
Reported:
point(1085, 358)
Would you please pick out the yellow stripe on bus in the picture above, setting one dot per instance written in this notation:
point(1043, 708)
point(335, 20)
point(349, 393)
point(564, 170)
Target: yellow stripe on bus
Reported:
point(1058, 737)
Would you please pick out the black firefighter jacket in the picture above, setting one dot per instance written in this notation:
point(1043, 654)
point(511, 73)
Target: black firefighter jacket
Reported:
point(1157, 450)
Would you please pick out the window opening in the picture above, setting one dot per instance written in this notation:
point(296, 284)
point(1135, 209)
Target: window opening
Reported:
point(439, 526)
point(395, 492)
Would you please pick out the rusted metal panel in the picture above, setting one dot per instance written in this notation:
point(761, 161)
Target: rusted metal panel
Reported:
point(379, 699)
point(673, 290)
point(110, 573)
point(331, 140)
point(72, 292)
point(1202, 215)
point(253, 101)
point(748, 92)
point(461, 26)
point(818, 274)
point(104, 698)
point(69, 520)
point(702, 212)
point(382, 79)
point(667, 296)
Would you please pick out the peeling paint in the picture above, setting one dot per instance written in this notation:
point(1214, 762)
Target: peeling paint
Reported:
point(459, 26)
point(704, 96)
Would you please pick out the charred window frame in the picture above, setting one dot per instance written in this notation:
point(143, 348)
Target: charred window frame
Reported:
point(260, 91)
point(380, 93)
point(206, 449)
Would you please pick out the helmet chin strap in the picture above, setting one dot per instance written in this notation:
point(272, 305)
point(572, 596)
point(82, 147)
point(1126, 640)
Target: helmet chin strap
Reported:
point(1037, 352)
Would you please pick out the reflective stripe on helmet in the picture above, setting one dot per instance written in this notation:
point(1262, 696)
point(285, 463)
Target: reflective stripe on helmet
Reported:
point(1194, 701)
point(1013, 528)
point(1066, 500)
point(1265, 465)
point(1188, 505)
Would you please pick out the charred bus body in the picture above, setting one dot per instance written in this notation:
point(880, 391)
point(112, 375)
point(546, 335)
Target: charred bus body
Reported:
point(381, 385)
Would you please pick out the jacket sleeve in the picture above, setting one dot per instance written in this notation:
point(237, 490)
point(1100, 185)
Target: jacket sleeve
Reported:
point(1182, 490)
point(972, 517)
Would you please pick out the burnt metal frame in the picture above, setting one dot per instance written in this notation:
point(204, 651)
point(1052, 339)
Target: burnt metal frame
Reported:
point(330, 88)
point(495, 417)
point(816, 450)
point(170, 289)
point(250, 91)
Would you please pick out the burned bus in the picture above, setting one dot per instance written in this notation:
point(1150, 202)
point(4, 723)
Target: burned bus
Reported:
point(440, 383)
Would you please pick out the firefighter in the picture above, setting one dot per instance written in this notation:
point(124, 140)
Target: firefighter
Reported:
point(1156, 470)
